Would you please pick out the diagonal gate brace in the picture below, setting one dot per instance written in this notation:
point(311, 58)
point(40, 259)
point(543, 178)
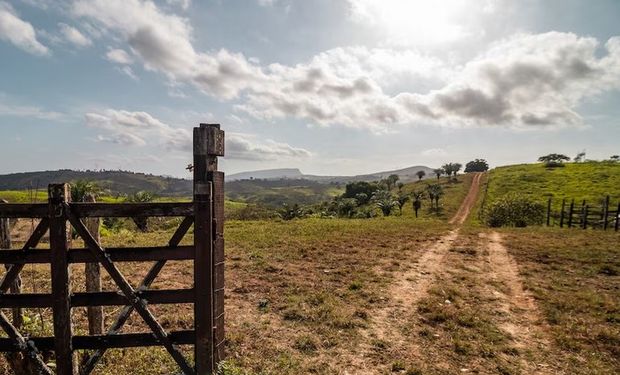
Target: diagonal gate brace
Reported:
point(90, 362)
point(138, 303)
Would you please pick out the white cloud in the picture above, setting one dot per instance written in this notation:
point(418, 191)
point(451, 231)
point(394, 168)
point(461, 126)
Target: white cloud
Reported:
point(244, 146)
point(73, 35)
point(9, 108)
point(127, 71)
point(135, 128)
point(524, 81)
point(119, 56)
point(19, 32)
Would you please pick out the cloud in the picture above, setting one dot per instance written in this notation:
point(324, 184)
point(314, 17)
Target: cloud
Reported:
point(244, 146)
point(9, 108)
point(134, 128)
point(163, 43)
point(119, 56)
point(127, 71)
point(528, 80)
point(73, 35)
point(19, 32)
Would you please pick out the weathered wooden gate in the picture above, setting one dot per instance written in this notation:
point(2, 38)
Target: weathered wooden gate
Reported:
point(206, 213)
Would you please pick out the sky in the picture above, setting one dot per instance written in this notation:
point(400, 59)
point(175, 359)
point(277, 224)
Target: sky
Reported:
point(333, 87)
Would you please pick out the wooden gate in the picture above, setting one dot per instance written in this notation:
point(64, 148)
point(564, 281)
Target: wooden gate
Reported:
point(206, 213)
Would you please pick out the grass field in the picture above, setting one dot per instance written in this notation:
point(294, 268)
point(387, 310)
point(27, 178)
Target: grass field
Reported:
point(332, 296)
point(591, 181)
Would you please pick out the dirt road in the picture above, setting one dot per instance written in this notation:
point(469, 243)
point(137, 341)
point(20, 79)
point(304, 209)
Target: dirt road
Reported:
point(515, 312)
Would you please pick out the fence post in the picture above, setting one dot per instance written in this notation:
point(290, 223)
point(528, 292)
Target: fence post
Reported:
point(93, 275)
point(562, 213)
point(570, 213)
point(617, 218)
point(208, 145)
point(606, 213)
point(548, 211)
point(584, 221)
point(59, 194)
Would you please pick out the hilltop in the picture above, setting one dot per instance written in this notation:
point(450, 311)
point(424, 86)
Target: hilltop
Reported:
point(591, 181)
point(123, 182)
point(405, 174)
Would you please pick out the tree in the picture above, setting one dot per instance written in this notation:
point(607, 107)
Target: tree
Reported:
point(355, 189)
point(477, 165)
point(141, 197)
point(614, 158)
point(580, 157)
point(385, 201)
point(391, 181)
point(456, 168)
point(435, 192)
point(417, 201)
point(400, 186)
point(438, 172)
point(420, 175)
point(81, 188)
point(554, 160)
point(401, 200)
point(448, 168)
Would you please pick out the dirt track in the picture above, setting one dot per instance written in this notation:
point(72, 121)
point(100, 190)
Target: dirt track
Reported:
point(518, 315)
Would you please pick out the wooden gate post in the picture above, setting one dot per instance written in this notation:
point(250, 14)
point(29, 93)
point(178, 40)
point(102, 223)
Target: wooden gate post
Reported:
point(208, 145)
point(59, 194)
point(570, 213)
point(93, 275)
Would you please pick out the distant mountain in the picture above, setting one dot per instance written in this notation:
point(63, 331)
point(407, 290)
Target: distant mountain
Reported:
point(126, 182)
point(116, 181)
point(267, 174)
point(405, 174)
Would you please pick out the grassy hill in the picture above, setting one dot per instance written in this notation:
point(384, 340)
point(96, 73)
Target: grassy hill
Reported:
point(124, 182)
point(591, 181)
point(275, 193)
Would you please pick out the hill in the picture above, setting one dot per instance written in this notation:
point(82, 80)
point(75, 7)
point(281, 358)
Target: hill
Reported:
point(405, 174)
point(124, 182)
point(591, 181)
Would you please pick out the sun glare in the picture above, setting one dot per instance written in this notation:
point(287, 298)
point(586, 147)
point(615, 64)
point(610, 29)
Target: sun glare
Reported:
point(415, 21)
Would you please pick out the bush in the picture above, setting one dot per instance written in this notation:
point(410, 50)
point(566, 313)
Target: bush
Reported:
point(514, 210)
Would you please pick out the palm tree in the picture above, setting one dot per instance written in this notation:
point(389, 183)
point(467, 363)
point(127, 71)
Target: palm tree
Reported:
point(420, 175)
point(81, 188)
point(438, 172)
point(401, 200)
point(141, 197)
point(385, 201)
point(435, 192)
point(417, 201)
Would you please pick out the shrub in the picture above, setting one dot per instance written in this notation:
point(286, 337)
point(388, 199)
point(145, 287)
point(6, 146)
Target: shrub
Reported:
point(514, 210)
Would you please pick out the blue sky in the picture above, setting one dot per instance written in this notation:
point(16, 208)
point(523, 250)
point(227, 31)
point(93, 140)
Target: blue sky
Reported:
point(331, 87)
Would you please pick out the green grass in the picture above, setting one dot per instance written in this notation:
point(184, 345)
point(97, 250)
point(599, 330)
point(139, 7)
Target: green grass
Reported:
point(591, 181)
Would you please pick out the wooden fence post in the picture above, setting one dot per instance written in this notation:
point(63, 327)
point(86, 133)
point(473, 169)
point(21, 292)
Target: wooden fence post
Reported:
point(562, 212)
point(548, 211)
point(208, 145)
point(59, 194)
point(570, 213)
point(606, 213)
point(617, 218)
point(16, 287)
point(93, 275)
point(584, 221)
